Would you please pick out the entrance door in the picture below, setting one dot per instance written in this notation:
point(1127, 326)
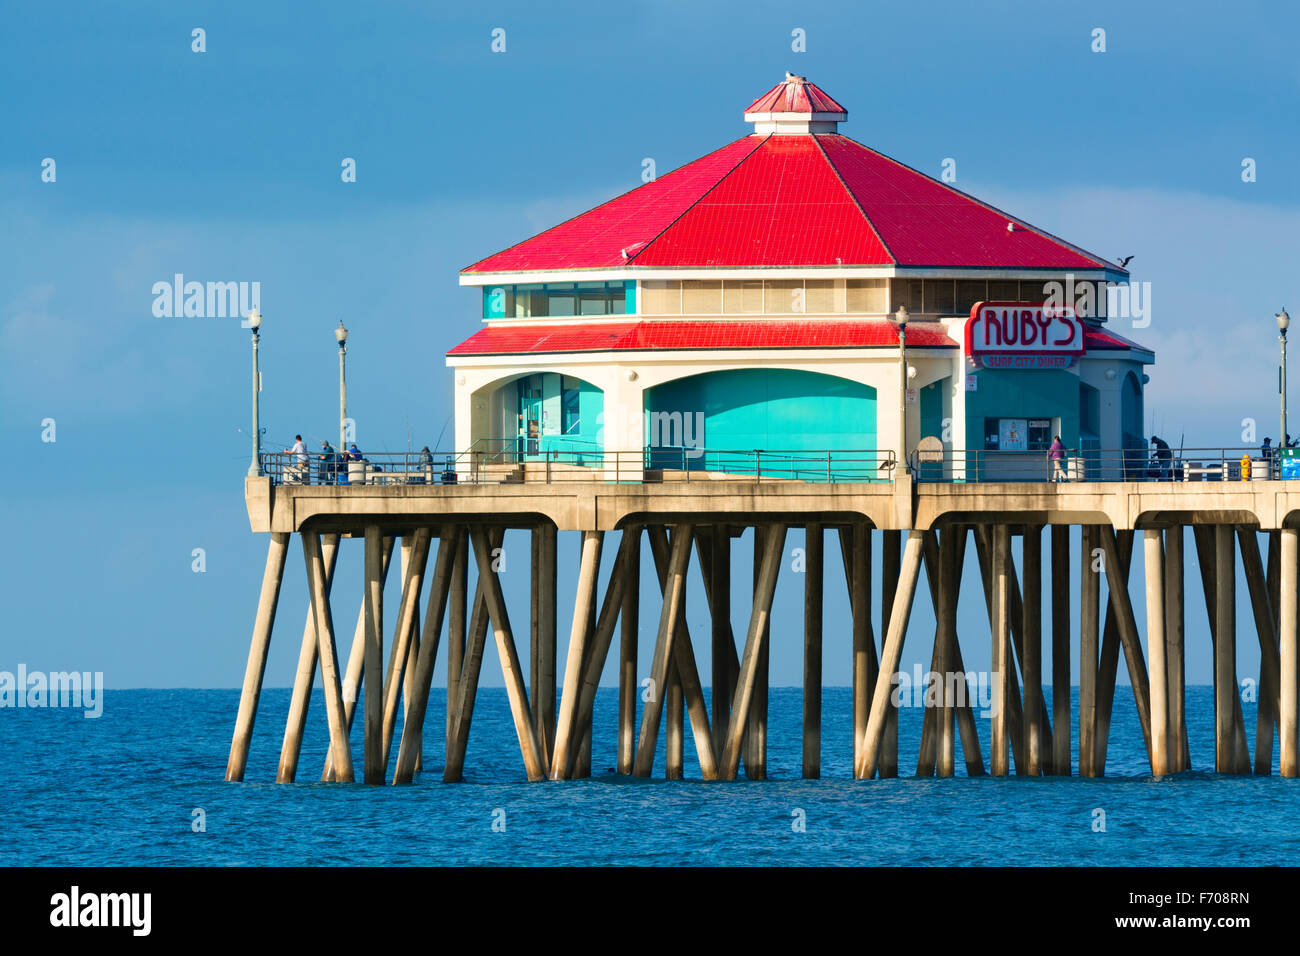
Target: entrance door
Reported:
point(530, 415)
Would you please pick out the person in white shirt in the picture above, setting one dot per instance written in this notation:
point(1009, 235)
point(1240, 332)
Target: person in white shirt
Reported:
point(299, 451)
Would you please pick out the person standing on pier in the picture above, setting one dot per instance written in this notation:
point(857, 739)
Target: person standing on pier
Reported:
point(299, 463)
point(1163, 457)
point(1056, 455)
point(329, 469)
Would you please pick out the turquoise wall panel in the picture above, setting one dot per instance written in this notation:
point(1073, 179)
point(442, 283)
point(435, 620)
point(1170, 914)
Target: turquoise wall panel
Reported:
point(743, 410)
point(1023, 394)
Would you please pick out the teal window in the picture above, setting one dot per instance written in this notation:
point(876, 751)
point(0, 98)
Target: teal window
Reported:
point(540, 300)
point(1017, 434)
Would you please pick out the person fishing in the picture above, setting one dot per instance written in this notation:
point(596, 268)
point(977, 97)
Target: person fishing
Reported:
point(1162, 456)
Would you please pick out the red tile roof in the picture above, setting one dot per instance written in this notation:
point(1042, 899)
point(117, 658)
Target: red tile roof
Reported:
point(796, 200)
point(697, 334)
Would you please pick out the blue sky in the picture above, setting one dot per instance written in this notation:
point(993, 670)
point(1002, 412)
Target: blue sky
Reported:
point(224, 166)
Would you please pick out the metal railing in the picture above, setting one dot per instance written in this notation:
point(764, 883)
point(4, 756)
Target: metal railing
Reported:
point(1109, 465)
point(495, 463)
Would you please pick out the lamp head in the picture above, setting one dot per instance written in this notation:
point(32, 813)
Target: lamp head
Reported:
point(1283, 320)
point(901, 316)
point(254, 319)
point(341, 334)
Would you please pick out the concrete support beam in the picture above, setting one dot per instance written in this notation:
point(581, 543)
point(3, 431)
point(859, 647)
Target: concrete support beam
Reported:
point(403, 639)
point(542, 636)
point(1226, 759)
point(1032, 652)
point(450, 543)
point(340, 751)
point(534, 761)
point(1262, 607)
point(1287, 716)
point(756, 637)
point(1089, 639)
point(629, 625)
point(1179, 754)
point(999, 756)
point(812, 651)
point(869, 760)
point(1153, 547)
point(1061, 685)
point(263, 623)
point(660, 665)
point(588, 572)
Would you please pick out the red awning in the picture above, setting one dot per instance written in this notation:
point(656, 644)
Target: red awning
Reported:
point(698, 335)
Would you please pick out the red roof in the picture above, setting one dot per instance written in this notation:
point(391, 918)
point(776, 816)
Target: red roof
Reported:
point(678, 335)
point(795, 95)
point(792, 200)
point(1100, 339)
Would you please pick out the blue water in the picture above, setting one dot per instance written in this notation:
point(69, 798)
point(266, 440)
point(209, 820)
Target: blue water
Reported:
point(122, 789)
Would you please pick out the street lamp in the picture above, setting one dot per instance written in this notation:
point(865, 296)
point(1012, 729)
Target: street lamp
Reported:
point(1283, 320)
point(900, 319)
point(255, 467)
point(341, 334)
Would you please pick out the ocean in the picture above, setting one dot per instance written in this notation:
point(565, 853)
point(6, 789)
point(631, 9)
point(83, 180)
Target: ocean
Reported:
point(133, 786)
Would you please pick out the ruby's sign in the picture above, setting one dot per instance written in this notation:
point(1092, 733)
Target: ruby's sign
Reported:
point(1016, 335)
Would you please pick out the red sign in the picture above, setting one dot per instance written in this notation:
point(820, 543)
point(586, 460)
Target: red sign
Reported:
point(1016, 335)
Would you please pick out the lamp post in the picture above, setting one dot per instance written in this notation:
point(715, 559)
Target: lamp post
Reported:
point(341, 334)
point(1283, 320)
point(255, 466)
point(900, 319)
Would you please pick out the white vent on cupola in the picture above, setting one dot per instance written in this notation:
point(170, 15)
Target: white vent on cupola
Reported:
point(795, 107)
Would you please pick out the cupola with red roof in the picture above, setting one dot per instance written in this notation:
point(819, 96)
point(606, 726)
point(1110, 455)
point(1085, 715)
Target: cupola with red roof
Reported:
point(795, 106)
point(795, 193)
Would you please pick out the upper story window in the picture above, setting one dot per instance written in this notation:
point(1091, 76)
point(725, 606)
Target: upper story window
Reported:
point(763, 296)
point(954, 297)
point(557, 299)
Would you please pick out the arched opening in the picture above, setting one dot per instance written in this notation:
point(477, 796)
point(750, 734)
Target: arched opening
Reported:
point(530, 416)
point(741, 411)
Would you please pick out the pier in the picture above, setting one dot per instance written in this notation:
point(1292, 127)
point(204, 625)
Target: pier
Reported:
point(890, 528)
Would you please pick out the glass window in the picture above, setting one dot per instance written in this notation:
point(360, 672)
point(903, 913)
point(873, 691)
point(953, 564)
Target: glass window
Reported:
point(907, 292)
point(1035, 290)
point(620, 295)
point(593, 298)
point(1004, 290)
point(530, 300)
point(742, 296)
point(865, 296)
point(970, 291)
point(661, 297)
point(939, 296)
point(1017, 434)
point(1040, 434)
point(561, 299)
point(783, 296)
point(820, 295)
point(701, 296)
